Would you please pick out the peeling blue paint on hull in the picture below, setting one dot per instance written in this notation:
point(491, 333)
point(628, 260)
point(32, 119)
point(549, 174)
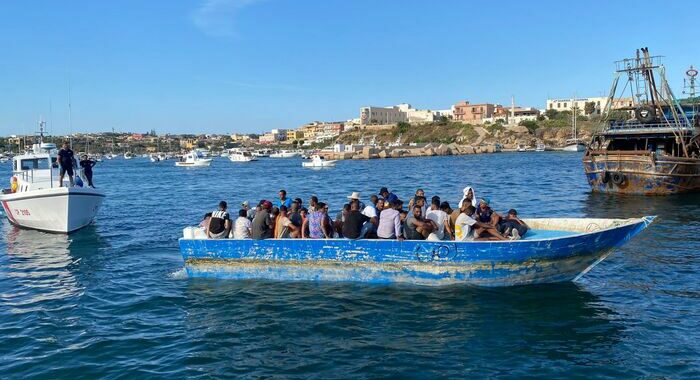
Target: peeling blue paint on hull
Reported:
point(481, 263)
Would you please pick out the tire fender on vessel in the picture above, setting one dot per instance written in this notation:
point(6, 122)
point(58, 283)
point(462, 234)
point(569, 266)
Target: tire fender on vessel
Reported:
point(618, 178)
point(645, 114)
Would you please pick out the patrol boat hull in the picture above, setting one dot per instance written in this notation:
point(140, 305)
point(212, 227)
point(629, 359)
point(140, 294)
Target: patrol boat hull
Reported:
point(577, 246)
point(60, 209)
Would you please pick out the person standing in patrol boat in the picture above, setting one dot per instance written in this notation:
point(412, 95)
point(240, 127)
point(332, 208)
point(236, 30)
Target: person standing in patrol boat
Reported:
point(65, 162)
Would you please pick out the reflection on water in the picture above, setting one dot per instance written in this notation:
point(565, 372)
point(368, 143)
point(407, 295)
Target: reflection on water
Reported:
point(39, 265)
point(264, 328)
point(674, 209)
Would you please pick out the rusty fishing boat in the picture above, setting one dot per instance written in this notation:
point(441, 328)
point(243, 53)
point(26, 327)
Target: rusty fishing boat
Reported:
point(554, 250)
point(649, 143)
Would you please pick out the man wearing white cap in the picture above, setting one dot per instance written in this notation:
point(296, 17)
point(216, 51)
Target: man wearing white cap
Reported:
point(370, 211)
point(250, 213)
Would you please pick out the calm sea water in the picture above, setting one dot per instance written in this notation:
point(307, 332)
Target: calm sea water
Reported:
point(111, 300)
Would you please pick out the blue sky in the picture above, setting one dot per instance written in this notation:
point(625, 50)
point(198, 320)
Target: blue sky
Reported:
point(251, 65)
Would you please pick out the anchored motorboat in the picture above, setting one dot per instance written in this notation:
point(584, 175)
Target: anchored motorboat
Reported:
point(262, 153)
point(37, 200)
point(128, 156)
point(318, 162)
point(285, 154)
point(193, 159)
point(241, 156)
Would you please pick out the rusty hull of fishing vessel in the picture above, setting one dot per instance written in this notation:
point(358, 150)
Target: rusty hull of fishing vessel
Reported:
point(650, 146)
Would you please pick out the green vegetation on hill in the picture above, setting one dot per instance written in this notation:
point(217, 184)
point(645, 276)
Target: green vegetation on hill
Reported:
point(438, 132)
point(448, 131)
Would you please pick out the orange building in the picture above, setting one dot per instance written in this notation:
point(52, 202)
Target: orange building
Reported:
point(473, 113)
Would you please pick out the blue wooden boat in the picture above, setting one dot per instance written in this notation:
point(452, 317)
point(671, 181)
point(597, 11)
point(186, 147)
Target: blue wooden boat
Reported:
point(555, 250)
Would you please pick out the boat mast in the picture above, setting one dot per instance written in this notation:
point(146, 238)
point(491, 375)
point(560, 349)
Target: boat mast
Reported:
point(70, 119)
point(573, 115)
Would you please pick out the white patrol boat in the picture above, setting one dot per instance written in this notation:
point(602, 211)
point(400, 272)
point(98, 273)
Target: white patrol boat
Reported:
point(37, 200)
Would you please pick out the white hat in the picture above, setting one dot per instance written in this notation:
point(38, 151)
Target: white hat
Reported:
point(354, 195)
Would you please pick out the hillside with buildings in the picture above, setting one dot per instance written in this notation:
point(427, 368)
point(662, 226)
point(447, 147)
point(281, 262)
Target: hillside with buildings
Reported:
point(464, 123)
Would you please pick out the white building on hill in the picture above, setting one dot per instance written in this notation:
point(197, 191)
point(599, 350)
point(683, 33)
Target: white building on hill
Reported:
point(580, 104)
point(382, 115)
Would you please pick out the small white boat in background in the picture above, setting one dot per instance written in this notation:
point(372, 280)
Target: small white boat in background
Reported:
point(318, 162)
point(154, 158)
point(203, 153)
point(574, 145)
point(284, 154)
point(193, 159)
point(540, 147)
point(522, 148)
point(37, 200)
point(128, 156)
point(262, 153)
point(224, 153)
point(241, 156)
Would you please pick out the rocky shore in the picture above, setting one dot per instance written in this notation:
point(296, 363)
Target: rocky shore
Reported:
point(446, 139)
point(368, 153)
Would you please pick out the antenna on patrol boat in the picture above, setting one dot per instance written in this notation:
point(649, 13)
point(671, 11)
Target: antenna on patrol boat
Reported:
point(70, 121)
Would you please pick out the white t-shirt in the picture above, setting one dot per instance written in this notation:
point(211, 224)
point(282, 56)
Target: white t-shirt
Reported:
point(439, 217)
point(284, 232)
point(241, 229)
point(370, 212)
point(463, 228)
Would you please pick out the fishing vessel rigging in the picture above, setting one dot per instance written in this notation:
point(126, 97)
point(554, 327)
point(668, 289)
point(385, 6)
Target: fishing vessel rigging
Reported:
point(651, 145)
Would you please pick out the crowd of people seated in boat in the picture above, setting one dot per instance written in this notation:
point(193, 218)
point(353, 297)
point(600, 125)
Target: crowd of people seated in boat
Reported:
point(384, 216)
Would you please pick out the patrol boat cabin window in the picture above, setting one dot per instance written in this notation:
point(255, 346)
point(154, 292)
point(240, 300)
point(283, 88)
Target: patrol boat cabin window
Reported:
point(34, 163)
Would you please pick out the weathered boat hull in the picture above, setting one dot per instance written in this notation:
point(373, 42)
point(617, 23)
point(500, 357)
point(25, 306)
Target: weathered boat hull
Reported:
point(482, 263)
point(642, 174)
